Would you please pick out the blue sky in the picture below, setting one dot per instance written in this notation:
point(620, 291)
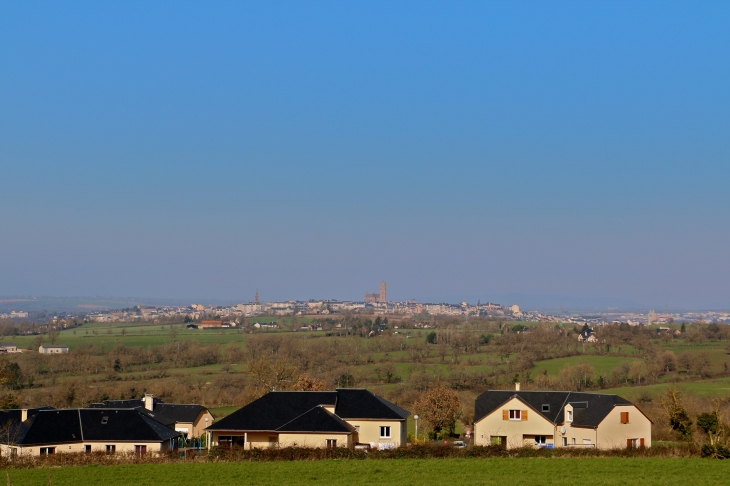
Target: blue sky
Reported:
point(529, 151)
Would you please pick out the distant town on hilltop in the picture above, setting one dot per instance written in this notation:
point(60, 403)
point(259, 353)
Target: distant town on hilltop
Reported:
point(375, 303)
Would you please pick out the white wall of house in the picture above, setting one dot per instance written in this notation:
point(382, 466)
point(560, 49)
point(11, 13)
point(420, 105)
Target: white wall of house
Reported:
point(315, 440)
point(517, 432)
point(614, 434)
point(369, 432)
point(76, 447)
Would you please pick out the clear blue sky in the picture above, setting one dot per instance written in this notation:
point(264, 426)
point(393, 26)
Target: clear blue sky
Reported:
point(459, 150)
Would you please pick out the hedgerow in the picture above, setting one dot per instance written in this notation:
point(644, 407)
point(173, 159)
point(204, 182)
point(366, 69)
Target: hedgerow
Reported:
point(422, 451)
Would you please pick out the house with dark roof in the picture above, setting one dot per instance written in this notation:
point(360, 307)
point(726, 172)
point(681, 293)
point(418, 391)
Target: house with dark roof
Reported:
point(9, 417)
point(50, 431)
point(587, 336)
point(345, 417)
point(188, 419)
point(514, 418)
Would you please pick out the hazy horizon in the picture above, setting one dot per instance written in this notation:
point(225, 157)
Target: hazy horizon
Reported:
point(558, 152)
point(540, 303)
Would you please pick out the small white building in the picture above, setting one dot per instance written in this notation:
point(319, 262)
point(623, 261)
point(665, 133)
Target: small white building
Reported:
point(53, 349)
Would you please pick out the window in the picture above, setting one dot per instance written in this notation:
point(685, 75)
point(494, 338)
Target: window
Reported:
point(635, 443)
point(47, 451)
point(357, 429)
point(111, 449)
point(331, 443)
point(570, 415)
point(573, 440)
point(565, 442)
point(540, 440)
point(231, 440)
point(87, 448)
point(545, 407)
point(624, 417)
point(140, 450)
point(496, 440)
point(104, 420)
point(384, 432)
point(587, 443)
point(515, 414)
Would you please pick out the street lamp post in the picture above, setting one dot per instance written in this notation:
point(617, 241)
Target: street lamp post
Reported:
point(207, 434)
point(416, 418)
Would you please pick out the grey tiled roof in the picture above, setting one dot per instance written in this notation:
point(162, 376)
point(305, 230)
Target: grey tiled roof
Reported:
point(85, 424)
point(292, 409)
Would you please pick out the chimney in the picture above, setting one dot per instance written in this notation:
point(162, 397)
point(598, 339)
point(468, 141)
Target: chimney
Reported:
point(149, 402)
point(517, 386)
point(23, 414)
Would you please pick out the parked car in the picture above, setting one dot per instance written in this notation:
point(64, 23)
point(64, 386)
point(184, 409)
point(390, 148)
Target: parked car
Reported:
point(459, 444)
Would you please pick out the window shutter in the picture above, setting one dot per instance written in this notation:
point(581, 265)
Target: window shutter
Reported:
point(524, 415)
point(505, 414)
point(624, 417)
point(641, 442)
point(628, 443)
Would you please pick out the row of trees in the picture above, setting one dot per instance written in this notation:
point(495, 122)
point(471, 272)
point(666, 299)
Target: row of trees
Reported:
point(710, 429)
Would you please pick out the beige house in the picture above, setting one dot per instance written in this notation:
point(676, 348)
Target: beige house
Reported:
point(188, 419)
point(49, 431)
point(558, 419)
point(346, 417)
point(53, 349)
point(587, 336)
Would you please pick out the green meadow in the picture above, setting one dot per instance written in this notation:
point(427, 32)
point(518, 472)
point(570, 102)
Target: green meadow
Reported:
point(555, 471)
point(711, 387)
point(602, 364)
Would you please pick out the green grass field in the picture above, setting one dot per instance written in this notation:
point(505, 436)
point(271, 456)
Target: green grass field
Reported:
point(136, 335)
point(714, 387)
point(219, 413)
point(646, 472)
point(602, 364)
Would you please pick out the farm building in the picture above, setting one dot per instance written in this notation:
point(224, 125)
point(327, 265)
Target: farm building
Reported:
point(53, 349)
point(9, 348)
